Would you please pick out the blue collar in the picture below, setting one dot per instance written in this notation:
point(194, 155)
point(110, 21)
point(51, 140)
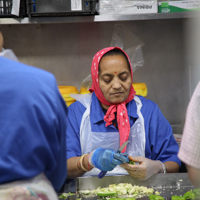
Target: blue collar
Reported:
point(97, 115)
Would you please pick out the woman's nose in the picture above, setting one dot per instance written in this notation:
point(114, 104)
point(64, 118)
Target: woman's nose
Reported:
point(116, 84)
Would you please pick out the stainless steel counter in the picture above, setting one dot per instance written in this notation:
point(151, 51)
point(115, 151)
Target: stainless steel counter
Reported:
point(167, 184)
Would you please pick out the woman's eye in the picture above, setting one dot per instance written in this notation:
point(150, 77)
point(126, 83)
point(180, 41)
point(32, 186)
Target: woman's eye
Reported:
point(124, 78)
point(107, 80)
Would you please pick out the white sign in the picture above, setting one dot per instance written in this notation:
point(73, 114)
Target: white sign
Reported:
point(76, 5)
point(15, 7)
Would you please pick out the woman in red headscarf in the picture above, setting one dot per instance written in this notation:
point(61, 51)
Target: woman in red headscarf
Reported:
point(100, 122)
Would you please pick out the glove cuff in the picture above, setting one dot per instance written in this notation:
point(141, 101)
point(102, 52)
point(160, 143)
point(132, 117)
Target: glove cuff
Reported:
point(162, 168)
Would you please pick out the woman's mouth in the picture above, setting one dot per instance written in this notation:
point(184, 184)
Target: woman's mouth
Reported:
point(117, 94)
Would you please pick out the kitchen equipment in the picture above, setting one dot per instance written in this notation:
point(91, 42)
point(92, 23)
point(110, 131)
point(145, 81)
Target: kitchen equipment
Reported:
point(167, 184)
point(84, 90)
point(6, 8)
point(36, 8)
point(103, 173)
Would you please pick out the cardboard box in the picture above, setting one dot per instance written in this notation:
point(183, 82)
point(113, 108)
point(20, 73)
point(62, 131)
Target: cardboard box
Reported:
point(127, 7)
point(178, 6)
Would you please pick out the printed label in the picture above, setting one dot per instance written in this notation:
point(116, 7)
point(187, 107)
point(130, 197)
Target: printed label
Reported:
point(142, 6)
point(182, 4)
point(128, 7)
point(76, 5)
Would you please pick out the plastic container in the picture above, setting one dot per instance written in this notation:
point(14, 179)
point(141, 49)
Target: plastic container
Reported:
point(140, 88)
point(6, 8)
point(84, 90)
point(66, 91)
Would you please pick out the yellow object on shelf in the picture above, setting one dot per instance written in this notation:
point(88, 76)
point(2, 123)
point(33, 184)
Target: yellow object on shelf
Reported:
point(140, 88)
point(84, 90)
point(66, 91)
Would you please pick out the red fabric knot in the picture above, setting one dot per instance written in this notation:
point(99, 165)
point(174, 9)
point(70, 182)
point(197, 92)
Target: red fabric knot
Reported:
point(124, 129)
point(110, 115)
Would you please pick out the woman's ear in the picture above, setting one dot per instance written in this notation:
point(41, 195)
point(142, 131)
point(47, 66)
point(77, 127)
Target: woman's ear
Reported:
point(1, 41)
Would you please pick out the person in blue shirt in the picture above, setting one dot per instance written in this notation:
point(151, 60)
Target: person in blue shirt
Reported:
point(32, 132)
point(100, 122)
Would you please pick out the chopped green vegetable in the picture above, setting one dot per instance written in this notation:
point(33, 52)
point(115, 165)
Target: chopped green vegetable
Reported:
point(65, 195)
point(155, 197)
point(106, 194)
point(130, 198)
point(86, 192)
point(189, 195)
point(117, 199)
point(175, 197)
point(131, 162)
point(197, 192)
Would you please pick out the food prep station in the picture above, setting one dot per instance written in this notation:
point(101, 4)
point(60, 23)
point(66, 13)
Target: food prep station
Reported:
point(166, 184)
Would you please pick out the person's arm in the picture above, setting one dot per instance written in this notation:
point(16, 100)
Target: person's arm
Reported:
point(103, 159)
point(193, 175)
point(164, 145)
point(163, 149)
point(1, 41)
point(172, 167)
point(189, 152)
point(73, 148)
point(74, 167)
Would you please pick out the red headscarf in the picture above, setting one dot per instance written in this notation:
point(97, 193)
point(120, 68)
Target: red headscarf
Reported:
point(122, 114)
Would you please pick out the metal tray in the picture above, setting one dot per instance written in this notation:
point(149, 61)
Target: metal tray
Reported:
point(167, 184)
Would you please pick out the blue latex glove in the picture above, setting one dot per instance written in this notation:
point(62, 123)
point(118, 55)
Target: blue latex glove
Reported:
point(104, 160)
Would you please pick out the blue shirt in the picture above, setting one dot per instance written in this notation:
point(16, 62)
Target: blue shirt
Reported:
point(160, 143)
point(32, 124)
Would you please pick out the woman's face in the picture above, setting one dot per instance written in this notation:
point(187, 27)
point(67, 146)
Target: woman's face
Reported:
point(114, 78)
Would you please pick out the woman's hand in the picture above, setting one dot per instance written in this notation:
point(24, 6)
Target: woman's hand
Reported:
point(104, 160)
point(145, 169)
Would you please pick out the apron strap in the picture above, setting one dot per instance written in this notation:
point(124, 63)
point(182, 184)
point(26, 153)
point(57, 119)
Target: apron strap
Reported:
point(84, 99)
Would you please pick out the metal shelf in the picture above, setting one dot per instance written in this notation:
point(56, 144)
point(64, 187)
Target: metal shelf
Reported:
point(98, 18)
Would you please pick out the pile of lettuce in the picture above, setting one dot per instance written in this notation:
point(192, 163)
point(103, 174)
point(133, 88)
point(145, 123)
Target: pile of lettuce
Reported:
point(119, 190)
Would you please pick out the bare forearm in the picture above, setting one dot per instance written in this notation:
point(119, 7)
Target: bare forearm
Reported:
point(194, 175)
point(72, 171)
point(74, 167)
point(172, 167)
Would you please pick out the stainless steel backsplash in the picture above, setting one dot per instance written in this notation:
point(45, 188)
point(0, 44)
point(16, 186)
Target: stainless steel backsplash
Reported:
point(67, 50)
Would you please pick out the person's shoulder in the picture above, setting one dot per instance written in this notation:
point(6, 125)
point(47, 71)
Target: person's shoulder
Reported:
point(24, 70)
point(38, 72)
point(77, 108)
point(27, 79)
point(147, 102)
